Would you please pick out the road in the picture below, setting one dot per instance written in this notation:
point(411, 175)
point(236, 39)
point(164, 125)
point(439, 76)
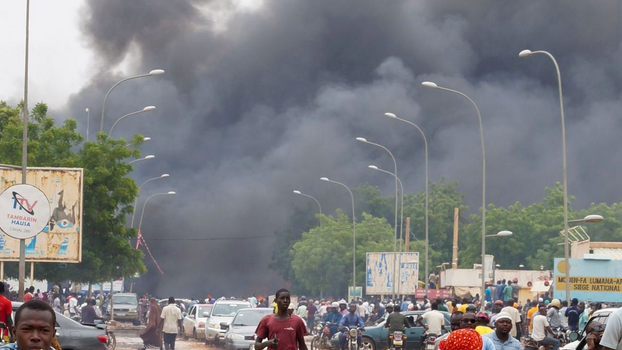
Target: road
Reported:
point(134, 343)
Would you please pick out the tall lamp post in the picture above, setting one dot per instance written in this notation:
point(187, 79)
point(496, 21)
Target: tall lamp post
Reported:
point(152, 73)
point(140, 223)
point(481, 135)
point(146, 109)
point(427, 240)
point(163, 176)
point(399, 262)
point(361, 139)
point(151, 156)
point(316, 201)
point(353, 228)
point(527, 53)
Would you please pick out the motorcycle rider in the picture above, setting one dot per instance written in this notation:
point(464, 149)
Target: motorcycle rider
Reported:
point(396, 322)
point(435, 322)
point(333, 317)
point(350, 320)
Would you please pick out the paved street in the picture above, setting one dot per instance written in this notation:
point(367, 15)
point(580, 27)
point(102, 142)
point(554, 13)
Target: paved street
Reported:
point(133, 343)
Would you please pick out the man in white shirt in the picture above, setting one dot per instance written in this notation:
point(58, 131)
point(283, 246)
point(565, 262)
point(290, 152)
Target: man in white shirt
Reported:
point(540, 329)
point(171, 318)
point(612, 338)
point(513, 312)
point(435, 321)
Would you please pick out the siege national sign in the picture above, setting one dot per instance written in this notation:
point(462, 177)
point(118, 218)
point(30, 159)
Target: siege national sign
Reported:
point(50, 206)
point(594, 280)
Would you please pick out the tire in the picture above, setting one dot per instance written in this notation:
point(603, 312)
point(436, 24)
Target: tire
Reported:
point(314, 343)
point(353, 346)
point(368, 344)
point(112, 341)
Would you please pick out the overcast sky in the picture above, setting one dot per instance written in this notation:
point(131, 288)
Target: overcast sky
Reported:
point(263, 97)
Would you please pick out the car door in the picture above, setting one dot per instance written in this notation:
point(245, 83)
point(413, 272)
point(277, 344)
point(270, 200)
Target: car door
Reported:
point(413, 334)
point(189, 321)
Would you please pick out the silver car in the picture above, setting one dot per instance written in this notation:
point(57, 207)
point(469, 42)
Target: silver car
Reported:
point(241, 332)
point(220, 318)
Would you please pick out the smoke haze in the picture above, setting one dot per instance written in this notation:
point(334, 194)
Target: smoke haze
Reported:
point(258, 101)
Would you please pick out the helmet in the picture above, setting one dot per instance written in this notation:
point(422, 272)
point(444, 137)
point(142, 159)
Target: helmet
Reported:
point(303, 298)
point(556, 303)
point(342, 302)
point(334, 304)
point(471, 308)
point(483, 316)
point(390, 305)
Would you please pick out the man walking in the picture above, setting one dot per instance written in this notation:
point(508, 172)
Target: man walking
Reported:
point(283, 331)
point(171, 318)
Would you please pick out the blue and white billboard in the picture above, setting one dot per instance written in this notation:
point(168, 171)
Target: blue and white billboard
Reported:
point(593, 280)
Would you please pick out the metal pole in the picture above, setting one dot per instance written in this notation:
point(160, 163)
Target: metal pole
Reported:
point(22, 242)
point(87, 124)
point(427, 241)
point(481, 134)
point(138, 193)
point(101, 127)
point(316, 201)
point(146, 109)
point(396, 208)
point(140, 223)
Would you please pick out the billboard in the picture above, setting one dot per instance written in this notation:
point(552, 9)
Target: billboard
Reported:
point(380, 273)
point(61, 239)
point(593, 280)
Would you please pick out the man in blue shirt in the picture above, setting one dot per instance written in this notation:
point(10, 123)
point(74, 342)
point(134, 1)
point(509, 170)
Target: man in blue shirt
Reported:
point(333, 317)
point(351, 320)
point(573, 315)
point(501, 338)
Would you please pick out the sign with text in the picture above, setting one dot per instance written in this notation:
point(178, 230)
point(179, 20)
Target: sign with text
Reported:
point(60, 239)
point(24, 211)
point(380, 273)
point(593, 280)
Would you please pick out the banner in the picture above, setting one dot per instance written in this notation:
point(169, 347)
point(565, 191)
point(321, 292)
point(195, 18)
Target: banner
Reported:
point(61, 239)
point(380, 273)
point(593, 280)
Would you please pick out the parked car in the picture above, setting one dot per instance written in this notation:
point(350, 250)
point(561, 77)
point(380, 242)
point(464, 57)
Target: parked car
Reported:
point(375, 337)
point(241, 332)
point(220, 317)
point(601, 316)
point(73, 335)
point(126, 308)
point(195, 319)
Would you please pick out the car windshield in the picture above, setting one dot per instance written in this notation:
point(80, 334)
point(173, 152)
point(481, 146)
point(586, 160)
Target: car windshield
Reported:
point(250, 317)
point(227, 309)
point(124, 299)
point(204, 309)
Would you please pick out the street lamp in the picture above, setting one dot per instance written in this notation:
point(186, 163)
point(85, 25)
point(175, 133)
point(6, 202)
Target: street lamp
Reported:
point(140, 223)
point(353, 229)
point(138, 194)
point(427, 241)
point(146, 109)
point(152, 73)
point(592, 218)
point(361, 139)
point(527, 53)
point(316, 201)
point(145, 139)
point(481, 135)
point(144, 158)
point(399, 263)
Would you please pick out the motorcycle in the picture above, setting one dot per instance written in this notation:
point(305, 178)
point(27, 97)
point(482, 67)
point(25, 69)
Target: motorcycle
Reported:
point(397, 340)
point(351, 335)
point(430, 341)
point(321, 339)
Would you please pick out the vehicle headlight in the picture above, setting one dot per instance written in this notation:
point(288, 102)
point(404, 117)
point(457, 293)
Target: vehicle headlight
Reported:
point(353, 332)
point(318, 326)
point(213, 325)
point(233, 336)
point(132, 310)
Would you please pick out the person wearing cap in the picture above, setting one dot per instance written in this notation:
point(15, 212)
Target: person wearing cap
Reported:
point(333, 317)
point(501, 337)
point(612, 337)
point(541, 329)
point(482, 324)
point(343, 307)
point(514, 314)
point(553, 314)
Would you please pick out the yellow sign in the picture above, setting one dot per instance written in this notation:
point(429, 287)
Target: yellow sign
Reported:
point(589, 284)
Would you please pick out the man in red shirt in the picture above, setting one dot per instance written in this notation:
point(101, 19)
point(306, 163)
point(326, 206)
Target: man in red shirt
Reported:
point(29, 294)
point(284, 332)
point(5, 311)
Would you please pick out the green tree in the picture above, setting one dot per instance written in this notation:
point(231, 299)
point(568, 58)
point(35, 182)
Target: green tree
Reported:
point(108, 192)
point(322, 259)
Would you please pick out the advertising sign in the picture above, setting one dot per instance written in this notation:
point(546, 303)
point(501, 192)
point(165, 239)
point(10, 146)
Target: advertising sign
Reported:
point(24, 211)
point(60, 239)
point(380, 273)
point(355, 292)
point(593, 280)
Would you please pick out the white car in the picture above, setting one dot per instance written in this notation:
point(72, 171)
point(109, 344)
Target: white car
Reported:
point(220, 318)
point(601, 316)
point(195, 320)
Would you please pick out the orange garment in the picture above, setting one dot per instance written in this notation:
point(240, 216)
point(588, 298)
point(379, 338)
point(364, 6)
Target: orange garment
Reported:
point(529, 314)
